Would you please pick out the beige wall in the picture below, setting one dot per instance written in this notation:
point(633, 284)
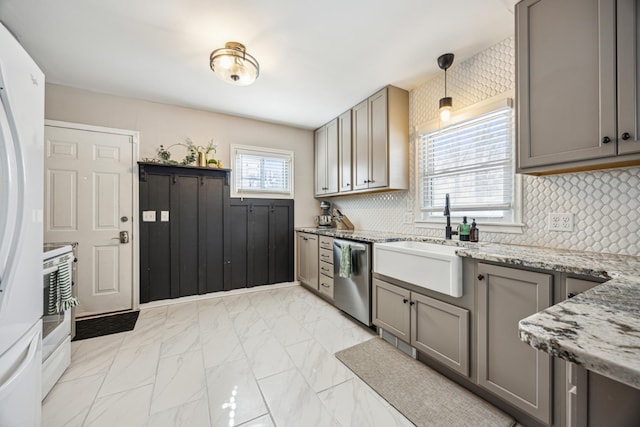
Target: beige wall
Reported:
point(168, 124)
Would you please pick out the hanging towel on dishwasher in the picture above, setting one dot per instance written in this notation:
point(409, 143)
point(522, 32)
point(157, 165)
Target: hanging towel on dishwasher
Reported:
point(345, 261)
point(60, 296)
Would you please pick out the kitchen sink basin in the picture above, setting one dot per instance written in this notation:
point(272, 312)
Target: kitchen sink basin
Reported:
point(428, 265)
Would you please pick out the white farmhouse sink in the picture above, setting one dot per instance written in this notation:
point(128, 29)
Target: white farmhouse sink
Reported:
point(428, 265)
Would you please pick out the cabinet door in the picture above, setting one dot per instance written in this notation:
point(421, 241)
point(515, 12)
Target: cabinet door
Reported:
point(628, 71)
point(184, 235)
point(211, 230)
point(566, 83)
point(360, 145)
point(390, 309)
point(155, 238)
point(308, 259)
point(281, 241)
point(321, 160)
point(332, 157)
point(379, 142)
point(344, 151)
point(258, 263)
point(507, 366)
point(441, 331)
point(239, 247)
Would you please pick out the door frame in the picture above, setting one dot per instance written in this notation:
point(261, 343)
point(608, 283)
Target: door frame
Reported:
point(135, 155)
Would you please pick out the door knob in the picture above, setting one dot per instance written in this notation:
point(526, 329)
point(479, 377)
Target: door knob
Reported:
point(606, 140)
point(123, 237)
point(480, 277)
point(626, 136)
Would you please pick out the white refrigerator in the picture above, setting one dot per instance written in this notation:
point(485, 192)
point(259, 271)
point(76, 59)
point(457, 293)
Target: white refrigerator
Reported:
point(21, 280)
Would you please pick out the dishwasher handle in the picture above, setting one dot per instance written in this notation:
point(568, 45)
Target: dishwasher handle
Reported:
point(354, 246)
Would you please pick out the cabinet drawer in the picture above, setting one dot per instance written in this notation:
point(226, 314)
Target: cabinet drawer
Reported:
point(326, 269)
point(326, 242)
point(326, 255)
point(326, 286)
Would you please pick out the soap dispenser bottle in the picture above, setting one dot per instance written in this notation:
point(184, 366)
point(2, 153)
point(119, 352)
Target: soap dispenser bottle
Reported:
point(474, 232)
point(464, 230)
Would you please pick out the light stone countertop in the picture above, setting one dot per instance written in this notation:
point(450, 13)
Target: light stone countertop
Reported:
point(598, 329)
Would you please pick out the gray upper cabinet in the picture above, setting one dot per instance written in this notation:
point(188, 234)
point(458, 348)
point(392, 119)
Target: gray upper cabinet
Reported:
point(628, 72)
point(360, 141)
point(326, 141)
point(508, 367)
point(572, 115)
point(376, 131)
point(344, 152)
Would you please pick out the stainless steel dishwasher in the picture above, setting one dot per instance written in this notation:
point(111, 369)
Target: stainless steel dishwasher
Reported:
point(352, 294)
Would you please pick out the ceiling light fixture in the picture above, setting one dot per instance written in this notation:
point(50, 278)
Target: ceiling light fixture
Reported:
point(234, 65)
point(446, 103)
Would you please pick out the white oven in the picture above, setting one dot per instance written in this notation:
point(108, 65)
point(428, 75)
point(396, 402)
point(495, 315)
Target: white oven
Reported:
point(56, 327)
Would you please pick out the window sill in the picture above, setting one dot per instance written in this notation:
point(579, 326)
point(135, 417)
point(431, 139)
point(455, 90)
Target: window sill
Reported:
point(515, 228)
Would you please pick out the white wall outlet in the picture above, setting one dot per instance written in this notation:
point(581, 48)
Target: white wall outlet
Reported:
point(148, 216)
point(560, 222)
point(408, 218)
point(164, 216)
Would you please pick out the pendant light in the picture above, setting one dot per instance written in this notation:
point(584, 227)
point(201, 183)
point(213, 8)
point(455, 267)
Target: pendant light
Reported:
point(446, 103)
point(234, 65)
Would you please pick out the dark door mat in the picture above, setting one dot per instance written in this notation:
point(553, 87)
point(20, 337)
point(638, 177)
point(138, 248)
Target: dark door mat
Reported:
point(425, 397)
point(107, 325)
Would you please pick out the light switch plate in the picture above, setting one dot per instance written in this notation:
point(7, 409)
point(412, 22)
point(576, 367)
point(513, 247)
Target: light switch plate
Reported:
point(560, 222)
point(148, 216)
point(164, 216)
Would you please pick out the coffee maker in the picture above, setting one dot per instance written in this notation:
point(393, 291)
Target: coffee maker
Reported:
point(325, 220)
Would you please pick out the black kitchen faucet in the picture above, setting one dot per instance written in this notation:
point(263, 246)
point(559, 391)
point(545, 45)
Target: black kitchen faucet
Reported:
point(447, 230)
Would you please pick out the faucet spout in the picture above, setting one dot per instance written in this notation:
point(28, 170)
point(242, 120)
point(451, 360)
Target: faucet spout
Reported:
point(448, 232)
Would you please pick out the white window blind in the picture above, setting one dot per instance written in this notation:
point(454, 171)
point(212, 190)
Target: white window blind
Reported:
point(262, 171)
point(472, 161)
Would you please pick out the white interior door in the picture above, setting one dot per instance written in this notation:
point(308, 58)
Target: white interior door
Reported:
point(89, 199)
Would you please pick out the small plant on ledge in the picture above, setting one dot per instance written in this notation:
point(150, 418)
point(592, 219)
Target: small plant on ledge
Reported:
point(194, 153)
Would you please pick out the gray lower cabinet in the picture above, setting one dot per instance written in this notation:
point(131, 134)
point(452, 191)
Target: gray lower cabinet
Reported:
point(592, 399)
point(307, 259)
point(508, 367)
point(436, 328)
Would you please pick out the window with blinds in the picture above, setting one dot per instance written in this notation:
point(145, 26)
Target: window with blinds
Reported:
point(260, 172)
point(472, 161)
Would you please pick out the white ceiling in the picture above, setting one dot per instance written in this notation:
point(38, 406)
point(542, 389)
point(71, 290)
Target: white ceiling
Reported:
point(317, 58)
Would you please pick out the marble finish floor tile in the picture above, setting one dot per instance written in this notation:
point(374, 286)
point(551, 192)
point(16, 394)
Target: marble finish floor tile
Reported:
point(130, 408)
point(132, 367)
point(180, 337)
point(259, 359)
point(180, 379)
point(287, 330)
point(292, 402)
point(321, 369)
point(221, 346)
point(192, 414)
point(234, 396)
point(93, 356)
point(354, 403)
point(264, 421)
point(266, 355)
point(56, 410)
